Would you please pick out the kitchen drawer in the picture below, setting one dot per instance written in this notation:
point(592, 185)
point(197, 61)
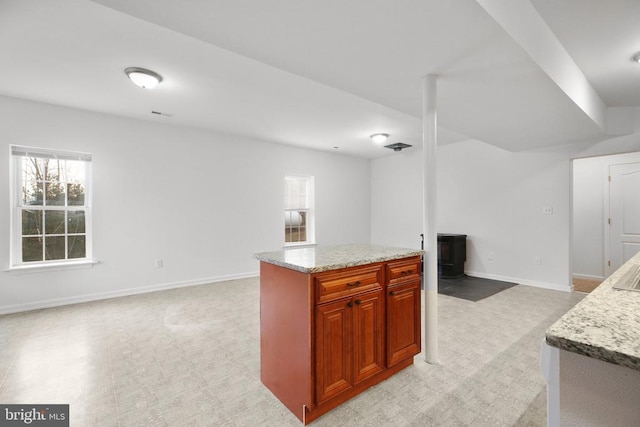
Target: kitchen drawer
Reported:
point(403, 270)
point(336, 285)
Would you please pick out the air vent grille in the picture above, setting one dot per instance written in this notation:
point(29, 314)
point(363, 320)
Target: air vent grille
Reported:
point(398, 146)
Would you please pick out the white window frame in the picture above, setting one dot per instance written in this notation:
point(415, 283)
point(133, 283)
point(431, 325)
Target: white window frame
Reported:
point(16, 154)
point(309, 208)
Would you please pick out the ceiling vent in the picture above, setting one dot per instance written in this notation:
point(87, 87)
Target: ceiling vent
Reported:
point(160, 113)
point(398, 146)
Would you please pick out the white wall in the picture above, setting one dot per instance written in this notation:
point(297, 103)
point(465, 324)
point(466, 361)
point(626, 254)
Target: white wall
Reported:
point(396, 203)
point(203, 202)
point(588, 218)
point(590, 198)
point(496, 198)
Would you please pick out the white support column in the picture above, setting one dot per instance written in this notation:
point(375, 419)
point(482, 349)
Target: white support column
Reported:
point(429, 219)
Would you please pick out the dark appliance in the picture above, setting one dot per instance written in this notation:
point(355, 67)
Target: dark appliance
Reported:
point(422, 262)
point(452, 253)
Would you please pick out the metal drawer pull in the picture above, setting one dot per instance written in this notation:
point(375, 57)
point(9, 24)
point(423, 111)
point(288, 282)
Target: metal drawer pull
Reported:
point(392, 293)
point(350, 304)
point(358, 301)
point(354, 284)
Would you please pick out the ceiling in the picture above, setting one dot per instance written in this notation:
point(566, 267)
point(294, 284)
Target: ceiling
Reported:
point(327, 74)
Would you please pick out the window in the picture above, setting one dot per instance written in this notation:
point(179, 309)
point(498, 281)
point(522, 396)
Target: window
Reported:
point(298, 210)
point(51, 220)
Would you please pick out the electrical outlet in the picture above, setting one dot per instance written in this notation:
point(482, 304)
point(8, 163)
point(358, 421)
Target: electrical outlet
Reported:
point(492, 256)
point(547, 210)
point(159, 263)
point(538, 260)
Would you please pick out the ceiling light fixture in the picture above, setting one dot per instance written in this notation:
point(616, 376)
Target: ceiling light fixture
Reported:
point(636, 57)
point(142, 77)
point(379, 138)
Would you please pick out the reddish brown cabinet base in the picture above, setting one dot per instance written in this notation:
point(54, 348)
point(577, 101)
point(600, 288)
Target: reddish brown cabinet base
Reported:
point(326, 337)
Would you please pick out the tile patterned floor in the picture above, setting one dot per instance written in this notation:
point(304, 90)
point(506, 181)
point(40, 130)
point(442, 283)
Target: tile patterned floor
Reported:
point(190, 357)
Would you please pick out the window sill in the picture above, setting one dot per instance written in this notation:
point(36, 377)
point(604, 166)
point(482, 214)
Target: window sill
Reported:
point(300, 245)
point(54, 266)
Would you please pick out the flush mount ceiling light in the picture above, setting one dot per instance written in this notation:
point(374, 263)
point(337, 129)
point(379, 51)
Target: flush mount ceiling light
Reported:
point(636, 57)
point(142, 77)
point(379, 138)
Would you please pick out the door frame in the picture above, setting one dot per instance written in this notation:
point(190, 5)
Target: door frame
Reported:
point(607, 161)
point(629, 158)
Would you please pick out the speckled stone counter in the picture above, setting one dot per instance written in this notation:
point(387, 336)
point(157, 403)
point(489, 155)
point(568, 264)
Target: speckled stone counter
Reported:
point(319, 259)
point(605, 325)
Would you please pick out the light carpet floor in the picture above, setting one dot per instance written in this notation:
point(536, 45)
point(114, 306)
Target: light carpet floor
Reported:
point(190, 357)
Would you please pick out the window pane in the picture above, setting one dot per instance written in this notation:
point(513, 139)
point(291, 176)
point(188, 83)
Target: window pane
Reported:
point(295, 192)
point(54, 247)
point(33, 168)
point(31, 249)
point(55, 194)
point(75, 192)
point(53, 170)
point(75, 171)
point(77, 248)
point(32, 193)
point(31, 222)
point(54, 222)
point(75, 220)
point(295, 226)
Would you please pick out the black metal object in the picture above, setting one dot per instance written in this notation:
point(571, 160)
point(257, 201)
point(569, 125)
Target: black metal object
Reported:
point(452, 253)
point(422, 261)
point(398, 146)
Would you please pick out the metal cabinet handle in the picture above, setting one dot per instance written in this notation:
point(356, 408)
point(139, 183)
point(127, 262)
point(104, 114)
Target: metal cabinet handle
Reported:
point(392, 293)
point(357, 283)
point(350, 304)
point(358, 302)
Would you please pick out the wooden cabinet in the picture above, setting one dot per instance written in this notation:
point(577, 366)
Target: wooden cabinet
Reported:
point(328, 336)
point(403, 310)
point(333, 344)
point(349, 347)
point(403, 321)
point(344, 283)
point(368, 335)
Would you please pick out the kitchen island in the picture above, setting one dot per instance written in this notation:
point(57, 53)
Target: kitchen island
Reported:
point(335, 321)
point(591, 357)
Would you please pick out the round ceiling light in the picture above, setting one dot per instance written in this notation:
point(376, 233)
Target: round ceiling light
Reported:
point(142, 77)
point(636, 57)
point(379, 138)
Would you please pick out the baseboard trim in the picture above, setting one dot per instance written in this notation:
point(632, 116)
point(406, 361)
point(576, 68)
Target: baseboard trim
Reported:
point(58, 302)
point(536, 284)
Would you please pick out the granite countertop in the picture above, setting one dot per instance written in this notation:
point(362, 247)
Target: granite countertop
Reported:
point(605, 325)
point(325, 258)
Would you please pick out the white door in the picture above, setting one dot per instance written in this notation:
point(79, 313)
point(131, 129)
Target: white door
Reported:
point(624, 213)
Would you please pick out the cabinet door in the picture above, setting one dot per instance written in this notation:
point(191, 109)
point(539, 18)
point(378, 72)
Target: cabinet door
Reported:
point(368, 353)
point(403, 322)
point(334, 366)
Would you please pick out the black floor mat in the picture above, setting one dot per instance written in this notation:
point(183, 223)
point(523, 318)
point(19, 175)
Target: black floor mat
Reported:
point(471, 288)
